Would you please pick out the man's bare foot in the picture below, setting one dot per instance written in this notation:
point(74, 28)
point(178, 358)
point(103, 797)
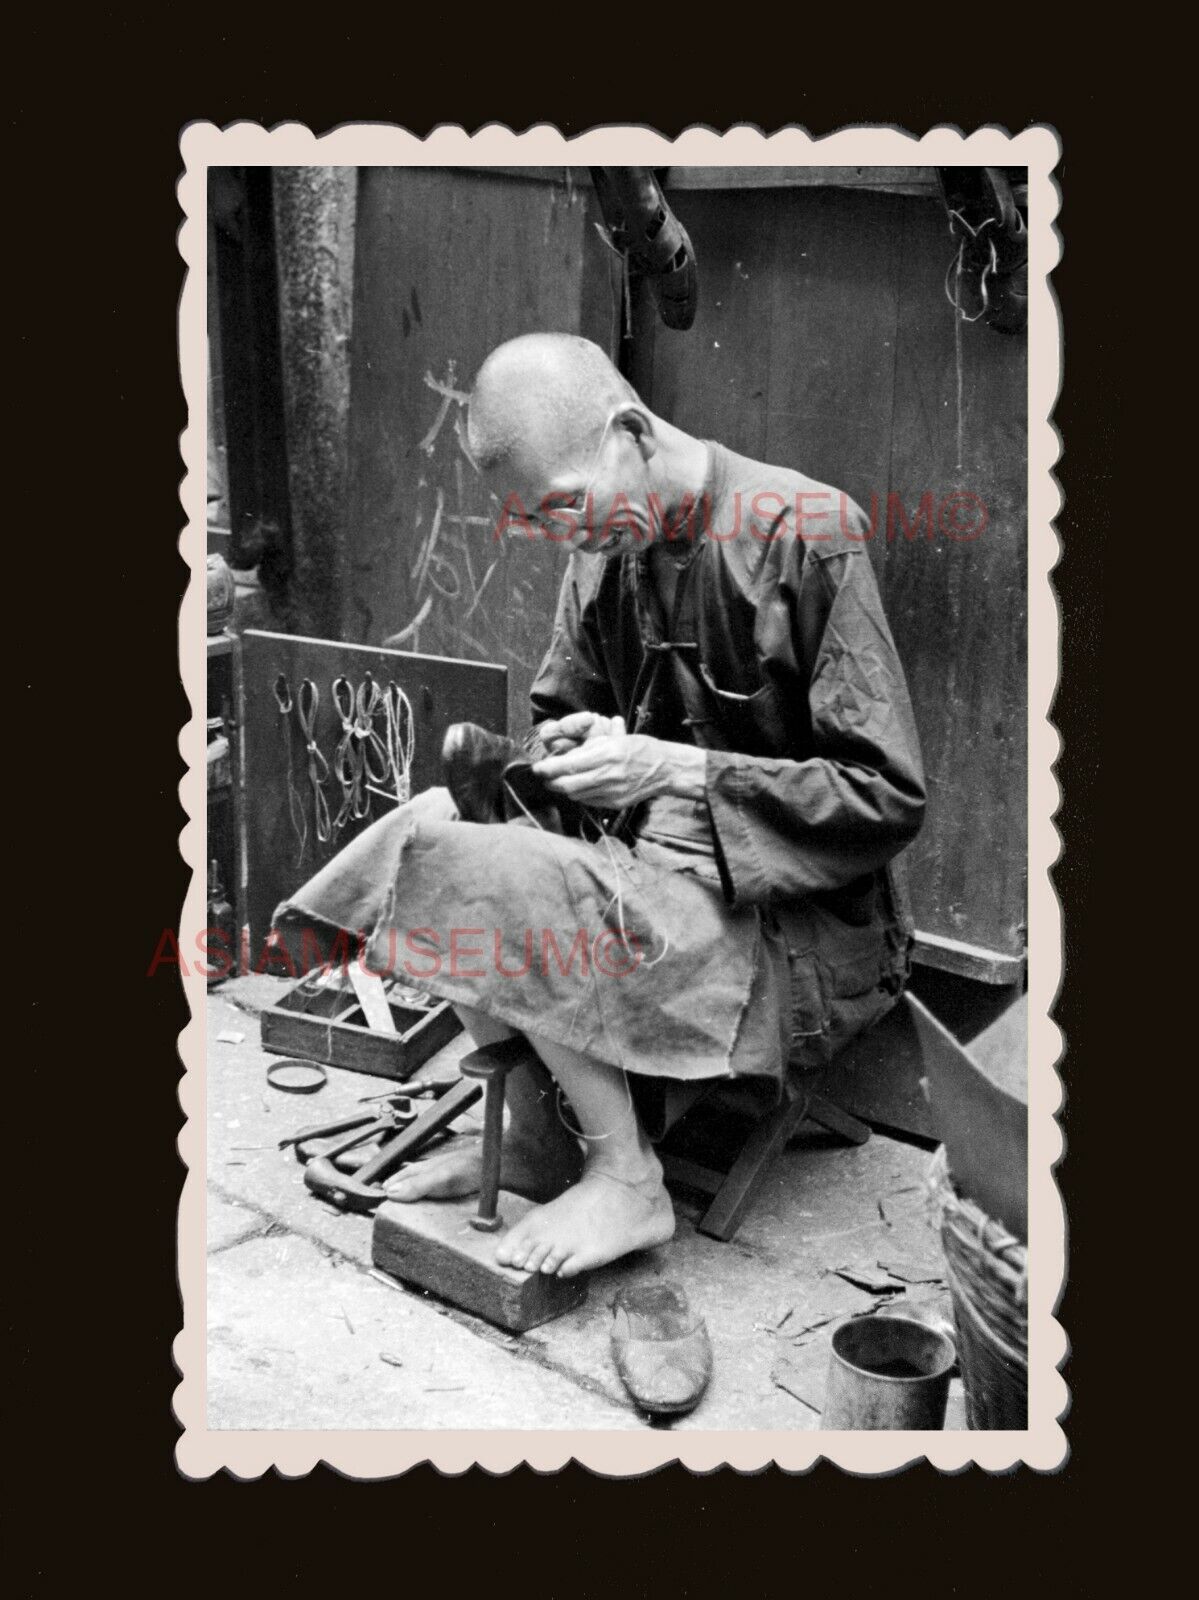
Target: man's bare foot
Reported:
point(600, 1219)
point(539, 1173)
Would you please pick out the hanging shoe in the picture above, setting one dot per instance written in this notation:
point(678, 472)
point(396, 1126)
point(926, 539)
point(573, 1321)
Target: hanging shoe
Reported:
point(473, 762)
point(492, 780)
point(993, 238)
point(642, 226)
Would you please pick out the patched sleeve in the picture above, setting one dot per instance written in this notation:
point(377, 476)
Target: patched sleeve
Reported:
point(786, 828)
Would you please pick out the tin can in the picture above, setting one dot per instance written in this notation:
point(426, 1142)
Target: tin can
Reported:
point(887, 1372)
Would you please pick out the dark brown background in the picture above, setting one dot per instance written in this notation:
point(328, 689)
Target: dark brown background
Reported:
point(677, 1529)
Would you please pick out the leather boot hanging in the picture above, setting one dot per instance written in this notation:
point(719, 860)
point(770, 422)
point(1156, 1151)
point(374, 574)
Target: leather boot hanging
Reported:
point(643, 228)
point(988, 279)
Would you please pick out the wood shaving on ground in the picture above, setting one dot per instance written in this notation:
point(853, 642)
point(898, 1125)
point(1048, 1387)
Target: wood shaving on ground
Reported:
point(229, 1036)
point(841, 1233)
point(827, 1301)
point(799, 1335)
point(910, 1269)
point(934, 1311)
point(874, 1279)
point(785, 1375)
point(381, 1277)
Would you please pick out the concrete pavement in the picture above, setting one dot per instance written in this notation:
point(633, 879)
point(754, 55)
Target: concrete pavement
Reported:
point(302, 1334)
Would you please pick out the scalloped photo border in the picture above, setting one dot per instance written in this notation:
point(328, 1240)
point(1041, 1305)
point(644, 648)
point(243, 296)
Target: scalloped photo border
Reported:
point(201, 1451)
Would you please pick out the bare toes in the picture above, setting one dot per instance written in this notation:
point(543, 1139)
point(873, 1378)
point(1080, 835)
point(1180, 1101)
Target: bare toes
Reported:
point(532, 1262)
point(511, 1253)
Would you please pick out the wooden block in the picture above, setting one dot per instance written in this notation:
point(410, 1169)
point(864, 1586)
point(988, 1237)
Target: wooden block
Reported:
point(432, 1245)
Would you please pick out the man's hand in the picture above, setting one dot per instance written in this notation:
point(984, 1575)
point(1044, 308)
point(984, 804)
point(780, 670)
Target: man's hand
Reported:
point(614, 768)
point(566, 733)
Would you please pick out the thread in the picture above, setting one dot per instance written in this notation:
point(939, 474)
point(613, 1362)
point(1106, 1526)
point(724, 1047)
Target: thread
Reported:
point(307, 705)
point(345, 764)
point(295, 806)
point(595, 1138)
point(401, 740)
point(954, 270)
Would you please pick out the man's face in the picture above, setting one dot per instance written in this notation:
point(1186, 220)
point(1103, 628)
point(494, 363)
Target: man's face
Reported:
point(594, 500)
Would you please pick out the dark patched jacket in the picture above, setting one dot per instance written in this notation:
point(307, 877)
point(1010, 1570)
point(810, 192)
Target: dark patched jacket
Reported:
point(779, 662)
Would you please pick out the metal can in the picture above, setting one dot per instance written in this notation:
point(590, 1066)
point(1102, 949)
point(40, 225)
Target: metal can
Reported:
point(887, 1372)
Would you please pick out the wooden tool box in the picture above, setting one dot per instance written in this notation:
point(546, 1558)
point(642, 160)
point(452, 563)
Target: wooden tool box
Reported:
point(323, 1018)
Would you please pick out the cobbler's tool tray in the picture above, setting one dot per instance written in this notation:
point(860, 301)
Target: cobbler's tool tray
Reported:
point(323, 1020)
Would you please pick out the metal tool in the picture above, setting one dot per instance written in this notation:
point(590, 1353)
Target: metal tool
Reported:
point(363, 1191)
point(491, 1066)
point(414, 1088)
point(364, 1126)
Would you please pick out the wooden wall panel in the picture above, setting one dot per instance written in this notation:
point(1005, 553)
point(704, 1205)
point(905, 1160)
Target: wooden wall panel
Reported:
point(448, 265)
point(834, 312)
point(959, 607)
point(713, 380)
point(824, 342)
point(790, 358)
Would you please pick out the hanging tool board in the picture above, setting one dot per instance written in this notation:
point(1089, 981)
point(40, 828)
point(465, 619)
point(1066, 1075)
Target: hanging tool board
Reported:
point(333, 733)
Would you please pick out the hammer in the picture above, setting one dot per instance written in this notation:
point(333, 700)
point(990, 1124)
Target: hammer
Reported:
point(363, 1191)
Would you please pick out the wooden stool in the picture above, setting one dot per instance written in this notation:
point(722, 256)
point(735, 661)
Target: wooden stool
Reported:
point(874, 1082)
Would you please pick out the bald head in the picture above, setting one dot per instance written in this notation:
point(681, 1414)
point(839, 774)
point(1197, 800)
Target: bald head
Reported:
point(543, 396)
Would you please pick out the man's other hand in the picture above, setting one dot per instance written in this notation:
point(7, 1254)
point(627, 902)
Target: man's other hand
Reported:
point(614, 768)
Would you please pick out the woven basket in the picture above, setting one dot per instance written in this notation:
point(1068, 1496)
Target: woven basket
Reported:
point(987, 1271)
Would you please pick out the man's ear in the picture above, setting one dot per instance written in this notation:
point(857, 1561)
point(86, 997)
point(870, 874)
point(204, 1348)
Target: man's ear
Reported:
point(638, 422)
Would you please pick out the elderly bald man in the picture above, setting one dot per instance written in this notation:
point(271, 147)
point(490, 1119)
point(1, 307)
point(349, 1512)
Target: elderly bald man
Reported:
point(722, 711)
